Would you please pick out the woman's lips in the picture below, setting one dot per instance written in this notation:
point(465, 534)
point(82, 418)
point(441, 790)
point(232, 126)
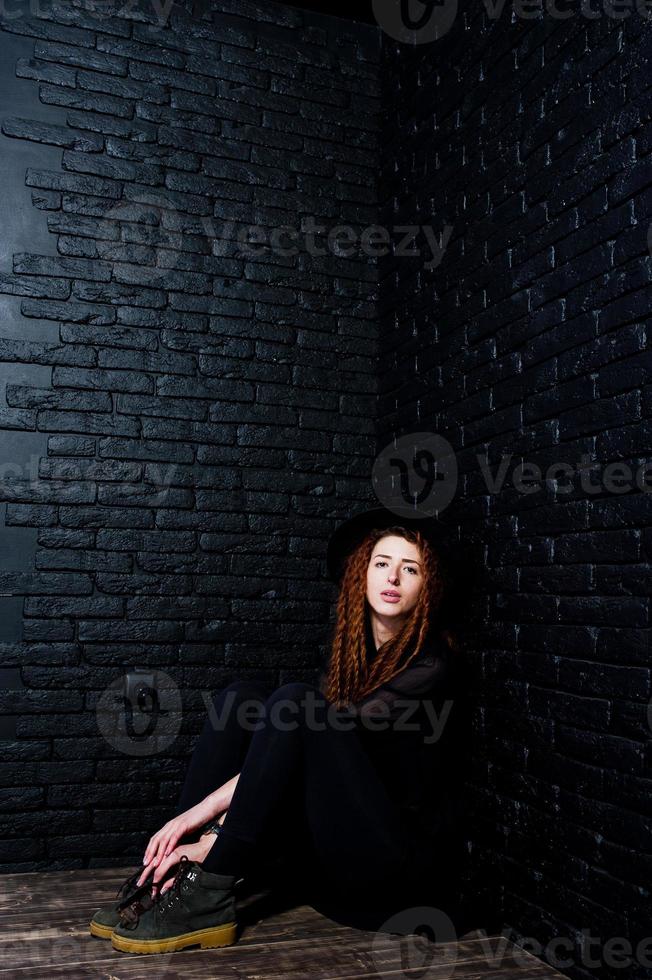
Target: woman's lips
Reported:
point(390, 598)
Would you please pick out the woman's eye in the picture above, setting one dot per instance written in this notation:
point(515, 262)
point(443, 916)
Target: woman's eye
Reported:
point(408, 567)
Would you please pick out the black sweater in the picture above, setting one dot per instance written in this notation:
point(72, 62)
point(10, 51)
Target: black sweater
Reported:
point(411, 748)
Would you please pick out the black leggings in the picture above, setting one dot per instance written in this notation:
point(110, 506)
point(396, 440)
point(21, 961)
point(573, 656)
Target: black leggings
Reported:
point(308, 791)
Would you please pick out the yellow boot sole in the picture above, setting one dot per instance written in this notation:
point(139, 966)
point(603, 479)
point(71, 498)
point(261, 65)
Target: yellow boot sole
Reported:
point(224, 935)
point(102, 932)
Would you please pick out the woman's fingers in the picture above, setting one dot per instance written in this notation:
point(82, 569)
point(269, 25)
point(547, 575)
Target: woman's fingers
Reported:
point(145, 875)
point(148, 860)
point(172, 843)
point(164, 867)
point(150, 850)
point(161, 841)
point(163, 844)
point(163, 848)
point(167, 885)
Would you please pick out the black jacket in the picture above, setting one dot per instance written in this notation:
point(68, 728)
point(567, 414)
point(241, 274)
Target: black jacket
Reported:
point(419, 763)
point(412, 744)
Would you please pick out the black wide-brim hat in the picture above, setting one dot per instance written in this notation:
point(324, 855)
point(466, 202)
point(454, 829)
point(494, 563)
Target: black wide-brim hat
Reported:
point(350, 533)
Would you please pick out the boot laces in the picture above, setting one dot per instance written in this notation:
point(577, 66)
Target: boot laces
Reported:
point(130, 914)
point(129, 884)
point(173, 894)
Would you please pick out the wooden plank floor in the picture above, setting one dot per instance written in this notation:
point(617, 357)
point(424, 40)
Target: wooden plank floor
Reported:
point(44, 936)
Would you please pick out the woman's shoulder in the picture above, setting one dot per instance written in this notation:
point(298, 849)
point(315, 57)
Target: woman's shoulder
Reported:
point(436, 647)
point(432, 668)
point(425, 670)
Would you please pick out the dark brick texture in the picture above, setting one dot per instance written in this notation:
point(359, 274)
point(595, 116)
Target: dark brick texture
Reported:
point(187, 421)
point(204, 412)
point(526, 145)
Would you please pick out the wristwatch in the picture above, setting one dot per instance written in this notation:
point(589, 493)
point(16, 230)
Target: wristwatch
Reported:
point(212, 827)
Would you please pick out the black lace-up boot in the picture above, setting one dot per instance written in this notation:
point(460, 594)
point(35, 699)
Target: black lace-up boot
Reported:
point(106, 918)
point(198, 909)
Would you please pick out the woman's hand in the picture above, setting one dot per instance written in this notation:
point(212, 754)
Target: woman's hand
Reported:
point(194, 852)
point(164, 842)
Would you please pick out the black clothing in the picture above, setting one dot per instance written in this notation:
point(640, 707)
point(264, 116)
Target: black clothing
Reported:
point(360, 815)
point(309, 794)
point(414, 757)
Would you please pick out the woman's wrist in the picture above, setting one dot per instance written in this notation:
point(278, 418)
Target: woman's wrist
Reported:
point(211, 827)
point(204, 844)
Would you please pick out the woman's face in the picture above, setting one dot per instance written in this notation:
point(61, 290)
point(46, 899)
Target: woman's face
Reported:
point(395, 567)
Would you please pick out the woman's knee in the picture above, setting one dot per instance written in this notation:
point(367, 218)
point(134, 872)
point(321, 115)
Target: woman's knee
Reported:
point(250, 700)
point(246, 688)
point(292, 706)
point(294, 691)
point(239, 692)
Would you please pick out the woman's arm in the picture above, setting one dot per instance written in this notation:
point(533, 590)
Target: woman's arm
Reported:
point(219, 801)
point(166, 839)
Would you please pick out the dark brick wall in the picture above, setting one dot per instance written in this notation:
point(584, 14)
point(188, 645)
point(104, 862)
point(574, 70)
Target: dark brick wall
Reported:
point(531, 140)
point(198, 419)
